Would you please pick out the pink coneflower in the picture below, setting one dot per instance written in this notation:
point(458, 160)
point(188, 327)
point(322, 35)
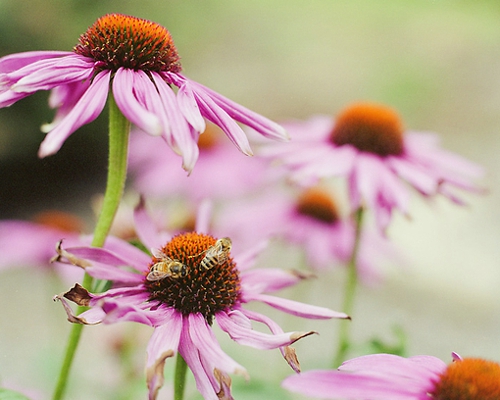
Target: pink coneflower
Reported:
point(389, 377)
point(368, 145)
point(221, 171)
point(138, 60)
point(180, 295)
point(309, 218)
point(31, 243)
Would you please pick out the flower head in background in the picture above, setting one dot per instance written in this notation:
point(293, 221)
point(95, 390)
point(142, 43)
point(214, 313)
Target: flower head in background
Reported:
point(190, 281)
point(138, 60)
point(32, 243)
point(310, 219)
point(221, 171)
point(368, 145)
point(390, 377)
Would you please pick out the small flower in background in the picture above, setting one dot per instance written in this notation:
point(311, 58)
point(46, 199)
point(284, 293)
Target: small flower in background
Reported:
point(221, 171)
point(32, 243)
point(368, 145)
point(191, 280)
point(138, 60)
point(390, 377)
point(310, 219)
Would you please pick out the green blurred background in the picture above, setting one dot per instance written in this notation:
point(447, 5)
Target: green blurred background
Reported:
point(436, 61)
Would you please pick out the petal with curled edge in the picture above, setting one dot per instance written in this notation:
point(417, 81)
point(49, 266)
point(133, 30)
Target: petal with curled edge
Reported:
point(163, 344)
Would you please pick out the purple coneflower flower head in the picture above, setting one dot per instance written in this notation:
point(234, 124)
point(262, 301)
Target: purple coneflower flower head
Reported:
point(390, 377)
point(309, 218)
point(221, 171)
point(138, 61)
point(191, 280)
point(368, 145)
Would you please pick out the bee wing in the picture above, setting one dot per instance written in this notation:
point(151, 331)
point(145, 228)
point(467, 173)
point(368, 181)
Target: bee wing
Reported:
point(156, 275)
point(158, 253)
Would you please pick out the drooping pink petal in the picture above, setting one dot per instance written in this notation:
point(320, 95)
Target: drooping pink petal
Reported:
point(131, 103)
point(203, 338)
point(294, 307)
point(189, 107)
point(419, 178)
point(64, 98)
point(213, 112)
point(205, 381)
point(47, 74)
point(13, 62)
point(180, 137)
point(269, 279)
point(117, 311)
point(163, 344)
point(86, 110)
point(241, 114)
point(238, 327)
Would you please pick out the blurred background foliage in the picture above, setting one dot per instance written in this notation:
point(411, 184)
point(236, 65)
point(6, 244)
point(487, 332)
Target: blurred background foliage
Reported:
point(436, 61)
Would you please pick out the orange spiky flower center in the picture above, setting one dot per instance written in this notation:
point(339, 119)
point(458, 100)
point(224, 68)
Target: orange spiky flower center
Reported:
point(196, 290)
point(371, 128)
point(319, 205)
point(117, 40)
point(469, 379)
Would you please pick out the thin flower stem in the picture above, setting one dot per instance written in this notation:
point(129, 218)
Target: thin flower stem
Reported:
point(350, 291)
point(180, 378)
point(119, 128)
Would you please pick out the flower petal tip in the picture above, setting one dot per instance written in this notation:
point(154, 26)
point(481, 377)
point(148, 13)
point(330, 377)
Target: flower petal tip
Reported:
point(154, 374)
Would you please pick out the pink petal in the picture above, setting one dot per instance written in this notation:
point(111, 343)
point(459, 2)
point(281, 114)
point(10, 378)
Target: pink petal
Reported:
point(203, 216)
point(294, 307)
point(238, 327)
point(269, 280)
point(130, 101)
point(189, 107)
point(242, 114)
point(47, 74)
point(180, 137)
point(343, 385)
point(146, 228)
point(117, 311)
point(203, 338)
point(163, 344)
point(211, 110)
point(86, 110)
point(205, 380)
point(17, 61)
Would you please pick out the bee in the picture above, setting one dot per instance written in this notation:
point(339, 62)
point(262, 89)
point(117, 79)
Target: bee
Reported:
point(217, 254)
point(165, 267)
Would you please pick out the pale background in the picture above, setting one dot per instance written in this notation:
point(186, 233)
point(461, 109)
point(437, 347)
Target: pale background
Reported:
point(437, 62)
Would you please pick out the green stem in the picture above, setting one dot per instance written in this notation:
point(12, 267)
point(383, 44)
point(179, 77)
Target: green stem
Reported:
point(119, 128)
point(350, 291)
point(180, 377)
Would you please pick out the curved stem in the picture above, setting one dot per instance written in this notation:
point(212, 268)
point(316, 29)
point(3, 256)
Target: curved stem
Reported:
point(119, 128)
point(350, 291)
point(180, 378)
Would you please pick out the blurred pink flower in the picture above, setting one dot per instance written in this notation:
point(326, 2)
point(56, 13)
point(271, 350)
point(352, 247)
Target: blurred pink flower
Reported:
point(183, 298)
point(221, 171)
point(390, 377)
point(309, 219)
point(138, 60)
point(367, 145)
point(32, 243)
